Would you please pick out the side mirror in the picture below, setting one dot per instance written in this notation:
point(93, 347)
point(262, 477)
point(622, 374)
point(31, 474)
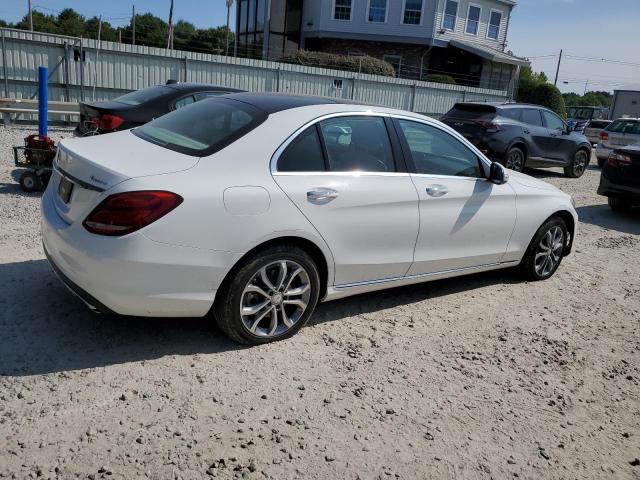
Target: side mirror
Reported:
point(498, 174)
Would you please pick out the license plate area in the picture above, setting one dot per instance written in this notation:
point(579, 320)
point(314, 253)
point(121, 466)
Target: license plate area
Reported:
point(65, 189)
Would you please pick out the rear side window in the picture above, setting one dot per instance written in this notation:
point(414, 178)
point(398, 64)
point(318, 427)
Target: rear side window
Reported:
point(202, 95)
point(622, 126)
point(359, 143)
point(435, 152)
point(531, 116)
point(304, 153)
point(142, 96)
point(512, 113)
point(184, 101)
point(202, 128)
point(471, 111)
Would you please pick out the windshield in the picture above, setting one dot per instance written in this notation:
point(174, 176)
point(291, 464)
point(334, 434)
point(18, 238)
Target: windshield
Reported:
point(141, 96)
point(581, 113)
point(204, 127)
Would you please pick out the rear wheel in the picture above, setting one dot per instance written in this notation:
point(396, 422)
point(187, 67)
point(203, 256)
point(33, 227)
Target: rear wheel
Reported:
point(545, 252)
point(619, 204)
point(515, 159)
point(270, 297)
point(578, 165)
point(30, 182)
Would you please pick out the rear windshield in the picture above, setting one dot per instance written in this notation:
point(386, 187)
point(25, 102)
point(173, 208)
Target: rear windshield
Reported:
point(623, 126)
point(141, 96)
point(471, 111)
point(204, 127)
point(598, 123)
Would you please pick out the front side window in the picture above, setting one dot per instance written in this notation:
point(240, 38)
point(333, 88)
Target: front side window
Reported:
point(342, 10)
point(450, 14)
point(377, 11)
point(359, 143)
point(304, 153)
point(494, 24)
point(202, 128)
point(531, 116)
point(435, 152)
point(553, 121)
point(412, 14)
point(473, 20)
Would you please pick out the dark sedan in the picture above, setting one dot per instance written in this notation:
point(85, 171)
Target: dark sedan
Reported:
point(141, 106)
point(620, 178)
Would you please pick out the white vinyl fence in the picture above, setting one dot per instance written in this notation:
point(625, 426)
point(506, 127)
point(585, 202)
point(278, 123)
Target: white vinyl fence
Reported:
point(88, 70)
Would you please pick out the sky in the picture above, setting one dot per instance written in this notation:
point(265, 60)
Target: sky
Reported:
point(595, 29)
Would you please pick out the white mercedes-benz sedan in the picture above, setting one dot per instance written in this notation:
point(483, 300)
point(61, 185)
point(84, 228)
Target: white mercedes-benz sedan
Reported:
point(255, 207)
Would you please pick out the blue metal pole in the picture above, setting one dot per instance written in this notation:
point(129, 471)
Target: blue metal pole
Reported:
point(43, 94)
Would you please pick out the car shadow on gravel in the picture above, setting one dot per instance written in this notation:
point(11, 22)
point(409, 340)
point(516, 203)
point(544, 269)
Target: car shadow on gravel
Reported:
point(603, 216)
point(45, 329)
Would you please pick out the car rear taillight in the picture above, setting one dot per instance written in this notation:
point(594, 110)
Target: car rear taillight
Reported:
point(489, 127)
point(127, 212)
point(617, 159)
point(604, 136)
point(108, 121)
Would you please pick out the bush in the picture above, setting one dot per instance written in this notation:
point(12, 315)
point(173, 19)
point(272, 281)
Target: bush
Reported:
point(545, 94)
point(363, 64)
point(439, 78)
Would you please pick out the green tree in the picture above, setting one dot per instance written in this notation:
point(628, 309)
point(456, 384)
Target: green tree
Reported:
point(41, 23)
point(533, 88)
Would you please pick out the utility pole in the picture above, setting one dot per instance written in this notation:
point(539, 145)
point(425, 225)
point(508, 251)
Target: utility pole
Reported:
point(119, 35)
point(585, 88)
point(229, 3)
point(30, 17)
point(133, 25)
point(558, 69)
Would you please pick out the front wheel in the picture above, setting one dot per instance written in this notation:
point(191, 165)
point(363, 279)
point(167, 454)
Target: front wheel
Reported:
point(545, 252)
point(270, 297)
point(578, 165)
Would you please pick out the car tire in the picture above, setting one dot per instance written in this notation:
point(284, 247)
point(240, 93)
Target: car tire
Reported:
point(30, 182)
point(601, 162)
point(619, 204)
point(578, 166)
point(515, 159)
point(545, 252)
point(252, 307)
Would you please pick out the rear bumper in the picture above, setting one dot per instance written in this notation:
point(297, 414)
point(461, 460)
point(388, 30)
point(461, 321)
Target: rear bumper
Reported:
point(603, 152)
point(608, 188)
point(132, 275)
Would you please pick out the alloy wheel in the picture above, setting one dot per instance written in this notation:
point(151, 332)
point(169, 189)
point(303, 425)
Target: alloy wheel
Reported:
point(579, 163)
point(514, 161)
point(275, 298)
point(549, 251)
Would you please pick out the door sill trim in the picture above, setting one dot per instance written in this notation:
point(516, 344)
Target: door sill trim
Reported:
point(424, 275)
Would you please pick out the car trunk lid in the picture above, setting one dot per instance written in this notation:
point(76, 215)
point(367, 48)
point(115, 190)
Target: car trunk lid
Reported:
point(86, 168)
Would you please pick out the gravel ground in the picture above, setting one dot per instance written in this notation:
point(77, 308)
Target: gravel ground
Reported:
point(478, 377)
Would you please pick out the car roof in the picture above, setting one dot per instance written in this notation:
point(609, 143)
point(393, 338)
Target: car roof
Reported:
point(198, 87)
point(277, 102)
point(503, 104)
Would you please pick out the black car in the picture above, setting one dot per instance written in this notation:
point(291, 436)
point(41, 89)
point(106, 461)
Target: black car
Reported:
point(620, 178)
point(521, 135)
point(141, 106)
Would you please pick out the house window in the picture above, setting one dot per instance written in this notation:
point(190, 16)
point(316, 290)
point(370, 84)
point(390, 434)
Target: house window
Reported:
point(450, 14)
point(377, 12)
point(494, 24)
point(412, 12)
point(473, 19)
point(395, 61)
point(342, 10)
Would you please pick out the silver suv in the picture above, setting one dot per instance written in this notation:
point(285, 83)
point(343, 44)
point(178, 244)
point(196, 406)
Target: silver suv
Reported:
point(621, 132)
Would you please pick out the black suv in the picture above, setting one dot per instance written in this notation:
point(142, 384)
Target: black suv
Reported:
point(519, 135)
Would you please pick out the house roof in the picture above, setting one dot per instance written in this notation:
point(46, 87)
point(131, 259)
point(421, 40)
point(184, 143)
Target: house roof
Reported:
point(628, 88)
point(490, 53)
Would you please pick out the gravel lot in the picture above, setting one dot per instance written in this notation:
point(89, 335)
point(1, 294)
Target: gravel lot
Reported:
point(477, 377)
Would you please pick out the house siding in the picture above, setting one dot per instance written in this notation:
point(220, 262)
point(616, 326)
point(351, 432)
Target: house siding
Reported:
point(461, 23)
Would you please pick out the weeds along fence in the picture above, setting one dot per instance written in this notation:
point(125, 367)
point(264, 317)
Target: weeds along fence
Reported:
point(88, 70)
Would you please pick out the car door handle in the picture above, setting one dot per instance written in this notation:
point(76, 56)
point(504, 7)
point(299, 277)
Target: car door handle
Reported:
point(437, 190)
point(320, 196)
